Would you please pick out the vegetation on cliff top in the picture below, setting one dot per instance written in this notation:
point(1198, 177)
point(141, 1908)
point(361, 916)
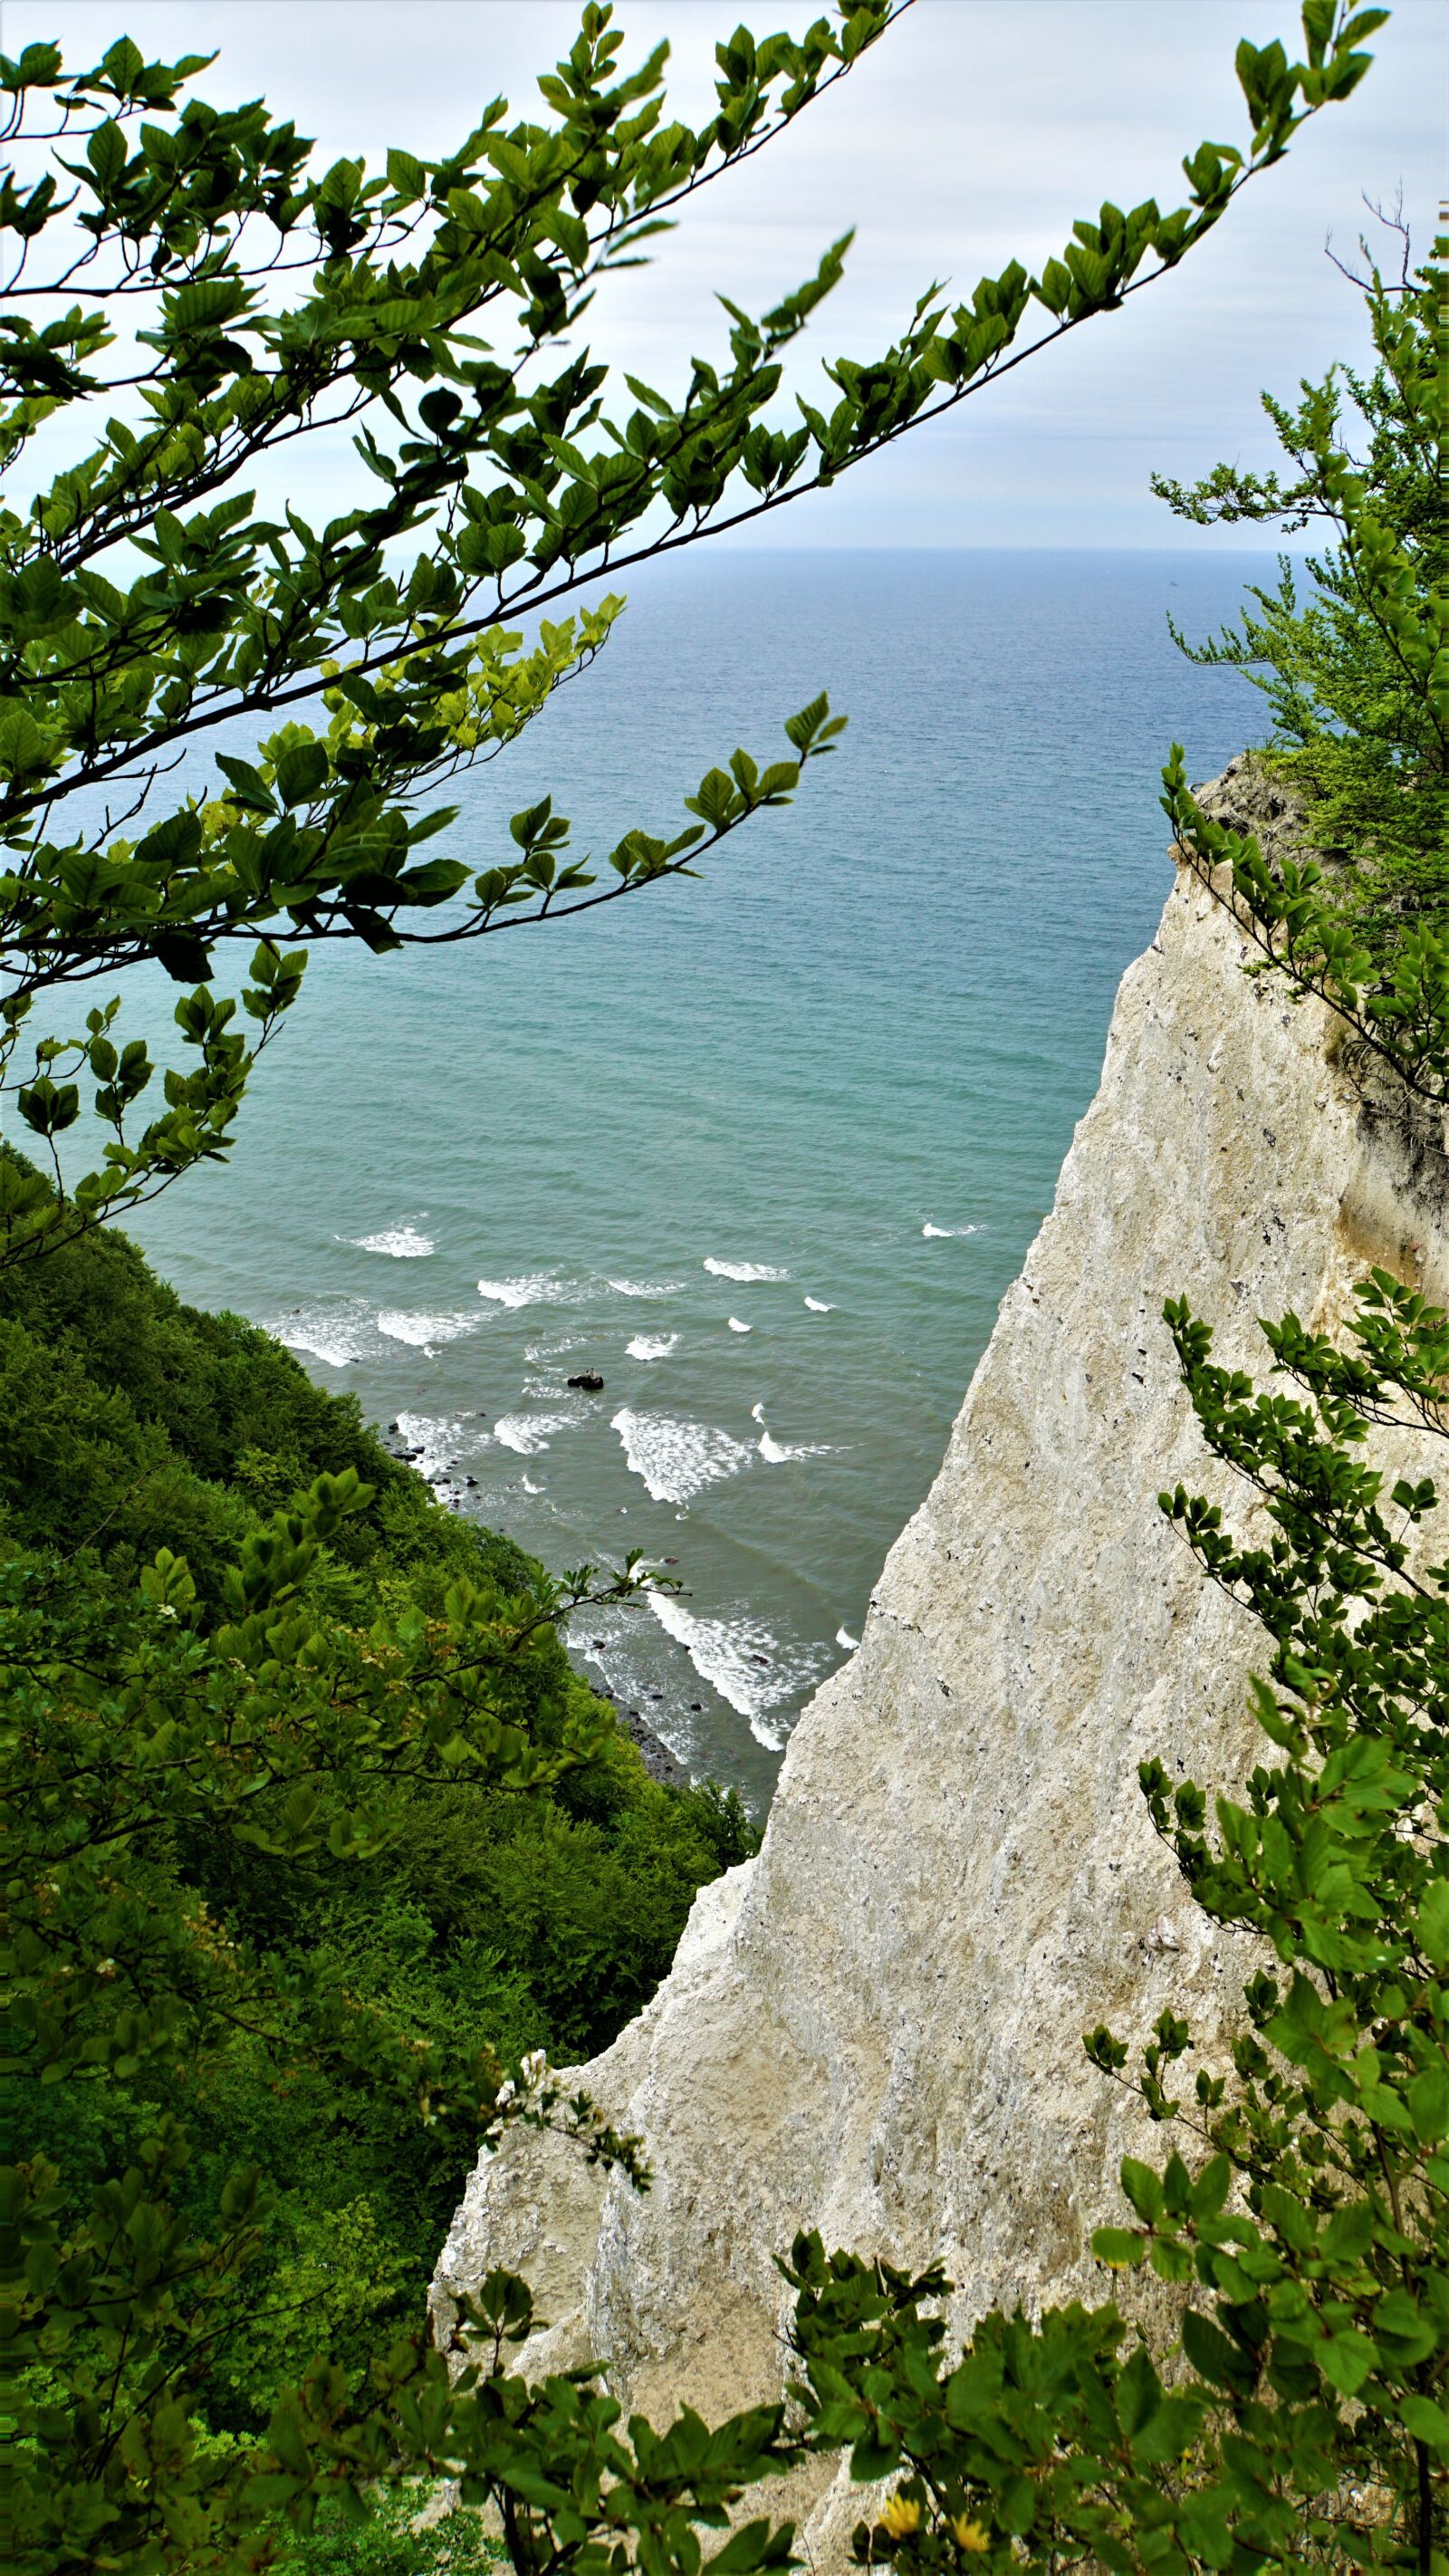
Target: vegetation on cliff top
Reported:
point(1348, 648)
point(1355, 668)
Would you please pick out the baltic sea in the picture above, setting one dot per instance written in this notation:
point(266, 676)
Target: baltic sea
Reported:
point(763, 1150)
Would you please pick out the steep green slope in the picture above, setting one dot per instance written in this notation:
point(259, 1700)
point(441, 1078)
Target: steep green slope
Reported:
point(129, 1422)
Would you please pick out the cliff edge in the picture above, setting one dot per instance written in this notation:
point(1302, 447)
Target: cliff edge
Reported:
point(874, 2028)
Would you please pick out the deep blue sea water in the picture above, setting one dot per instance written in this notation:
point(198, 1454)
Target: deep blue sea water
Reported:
point(765, 1149)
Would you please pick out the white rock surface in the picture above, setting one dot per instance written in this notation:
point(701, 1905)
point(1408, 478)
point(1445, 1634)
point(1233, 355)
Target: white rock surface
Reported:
point(875, 2027)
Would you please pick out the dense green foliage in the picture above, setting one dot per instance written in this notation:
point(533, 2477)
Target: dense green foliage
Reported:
point(1341, 647)
point(471, 1921)
point(309, 1826)
point(128, 1415)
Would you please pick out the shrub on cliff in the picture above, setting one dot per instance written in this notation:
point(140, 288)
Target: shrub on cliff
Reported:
point(1340, 655)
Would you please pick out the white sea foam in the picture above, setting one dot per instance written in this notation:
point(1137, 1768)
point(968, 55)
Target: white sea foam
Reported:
point(743, 1270)
point(441, 1439)
point(674, 1459)
point(530, 1487)
point(948, 1233)
point(844, 1638)
point(424, 1332)
point(400, 1242)
point(531, 1288)
point(646, 1287)
point(651, 1346)
point(530, 1432)
point(818, 1306)
point(333, 1332)
point(778, 1453)
point(740, 1659)
point(737, 1327)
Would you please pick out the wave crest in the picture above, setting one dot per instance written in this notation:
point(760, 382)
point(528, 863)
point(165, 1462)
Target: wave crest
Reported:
point(676, 1460)
point(530, 1288)
point(423, 1332)
point(740, 1659)
point(650, 1346)
point(399, 1242)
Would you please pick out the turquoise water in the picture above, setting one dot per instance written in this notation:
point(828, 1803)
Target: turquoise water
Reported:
point(764, 1150)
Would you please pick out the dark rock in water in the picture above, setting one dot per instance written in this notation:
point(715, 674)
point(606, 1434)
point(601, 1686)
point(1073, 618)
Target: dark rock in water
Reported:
point(696, 1708)
point(596, 1642)
point(470, 1480)
point(393, 1426)
point(760, 1659)
point(589, 1380)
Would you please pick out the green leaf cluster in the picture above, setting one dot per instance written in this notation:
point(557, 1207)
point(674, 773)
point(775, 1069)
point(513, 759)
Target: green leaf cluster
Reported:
point(1352, 660)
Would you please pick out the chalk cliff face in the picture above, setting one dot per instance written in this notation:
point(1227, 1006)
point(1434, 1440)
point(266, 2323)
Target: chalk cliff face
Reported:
point(875, 2027)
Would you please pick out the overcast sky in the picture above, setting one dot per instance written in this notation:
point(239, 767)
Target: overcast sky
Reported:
point(975, 132)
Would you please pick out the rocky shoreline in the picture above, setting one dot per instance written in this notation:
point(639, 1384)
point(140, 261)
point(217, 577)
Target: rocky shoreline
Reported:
point(657, 1759)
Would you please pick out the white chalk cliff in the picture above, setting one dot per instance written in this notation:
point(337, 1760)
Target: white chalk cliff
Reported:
point(874, 2028)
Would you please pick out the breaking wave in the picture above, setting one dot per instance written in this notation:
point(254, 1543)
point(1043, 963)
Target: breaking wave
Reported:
point(531, 1288)
point(777, 1453)
point(333, 1332)
point(423, 1332)
point(651, 1346)
point(743, 1270)
point(440, 1438)
point(740, 1659)
point(676, 1460)
point(530, 1432)
point(399, 1242)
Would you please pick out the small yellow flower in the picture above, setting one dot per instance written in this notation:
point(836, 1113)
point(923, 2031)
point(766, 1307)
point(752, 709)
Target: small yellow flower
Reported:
point(901, 2515)
point(969, 2534)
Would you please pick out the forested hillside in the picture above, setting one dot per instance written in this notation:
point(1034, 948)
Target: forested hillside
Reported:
point(128, 1422)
